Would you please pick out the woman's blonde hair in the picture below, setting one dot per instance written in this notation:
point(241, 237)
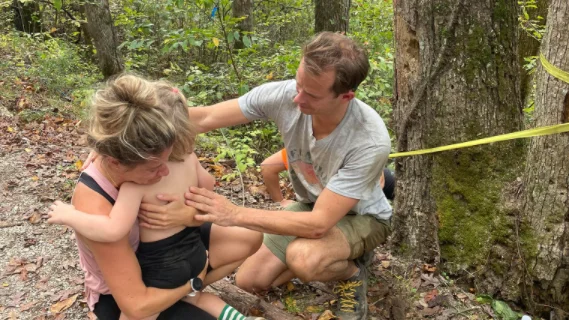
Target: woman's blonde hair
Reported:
point(134, 120)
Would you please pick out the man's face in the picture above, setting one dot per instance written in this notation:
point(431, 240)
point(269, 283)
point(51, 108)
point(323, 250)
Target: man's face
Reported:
point(151, 171)
point(314, 93)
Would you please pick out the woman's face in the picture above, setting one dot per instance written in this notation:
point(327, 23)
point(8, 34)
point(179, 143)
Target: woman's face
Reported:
point(149, 172)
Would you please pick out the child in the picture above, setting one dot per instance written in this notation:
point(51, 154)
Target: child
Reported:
point(168, 257)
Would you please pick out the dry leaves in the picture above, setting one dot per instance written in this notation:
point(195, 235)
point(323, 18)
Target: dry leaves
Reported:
point(64, 304)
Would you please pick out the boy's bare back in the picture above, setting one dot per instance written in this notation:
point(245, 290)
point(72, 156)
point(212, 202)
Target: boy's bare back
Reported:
point(182, 175)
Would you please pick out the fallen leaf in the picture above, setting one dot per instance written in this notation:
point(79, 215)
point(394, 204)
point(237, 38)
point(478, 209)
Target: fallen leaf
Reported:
point(78, 164)
point(63, 305)
point(431, 295)
point(289, 286)
point(35, 218)
point(385, 264)
point(429, 268)
point(91, 316)
point(327, 315)
point(28, 306)
point(60, 316)
point(313, 309)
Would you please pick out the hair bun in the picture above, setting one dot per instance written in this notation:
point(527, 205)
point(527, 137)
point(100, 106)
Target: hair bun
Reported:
point(134, 91)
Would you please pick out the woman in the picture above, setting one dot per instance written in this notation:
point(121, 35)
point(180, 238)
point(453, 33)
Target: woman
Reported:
point(139, 156)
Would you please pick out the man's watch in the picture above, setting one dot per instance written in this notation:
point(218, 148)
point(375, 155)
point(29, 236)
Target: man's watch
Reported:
point(197, 286)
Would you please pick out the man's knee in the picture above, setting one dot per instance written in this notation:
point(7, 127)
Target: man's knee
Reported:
point(305, 262)
point(249, 282)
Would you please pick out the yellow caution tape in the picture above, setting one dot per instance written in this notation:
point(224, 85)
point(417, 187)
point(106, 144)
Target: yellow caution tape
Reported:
point(553, 70)
point(543, 131)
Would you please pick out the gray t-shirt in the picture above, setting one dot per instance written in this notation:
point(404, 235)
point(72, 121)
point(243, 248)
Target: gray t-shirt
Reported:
point(348, 162)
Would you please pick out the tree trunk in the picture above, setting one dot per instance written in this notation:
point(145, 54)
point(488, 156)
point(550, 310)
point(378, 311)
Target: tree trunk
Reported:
point(457, 79)
point(544, 196)
point(101, 28)
point(243, 8)
point(24, 16)
point(331, 15)
point(529, 46)
point(245, 302)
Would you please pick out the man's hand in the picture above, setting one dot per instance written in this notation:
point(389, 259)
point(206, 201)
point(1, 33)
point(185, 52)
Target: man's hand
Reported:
point(92, 156)
point(59, 211)
point(170, 215)
point(212, 207)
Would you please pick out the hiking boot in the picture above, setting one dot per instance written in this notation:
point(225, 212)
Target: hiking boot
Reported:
point(352, 296)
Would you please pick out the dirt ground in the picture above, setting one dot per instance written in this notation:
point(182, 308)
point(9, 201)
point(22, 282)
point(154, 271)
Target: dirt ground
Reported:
point(40, 277)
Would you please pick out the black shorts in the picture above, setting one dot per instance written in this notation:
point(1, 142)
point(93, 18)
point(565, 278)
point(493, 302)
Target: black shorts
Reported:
point(107, 308)
point(172, 262)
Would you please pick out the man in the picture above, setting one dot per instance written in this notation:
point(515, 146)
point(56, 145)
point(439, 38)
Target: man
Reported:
point(337, 147)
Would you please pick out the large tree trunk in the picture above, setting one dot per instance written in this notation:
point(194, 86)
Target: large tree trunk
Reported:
point(243, 8)
point(101, 28)
point(331, 15)
point(545, 201)
point(24, 19)
point(457, 79)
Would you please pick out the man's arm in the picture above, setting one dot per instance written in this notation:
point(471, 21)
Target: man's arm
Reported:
point(328, 210)
point(221, 115)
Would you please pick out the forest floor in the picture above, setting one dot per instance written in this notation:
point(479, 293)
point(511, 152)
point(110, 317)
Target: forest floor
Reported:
point(40, 277)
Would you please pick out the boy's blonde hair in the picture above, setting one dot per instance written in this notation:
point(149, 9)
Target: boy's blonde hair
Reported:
point(134, 120)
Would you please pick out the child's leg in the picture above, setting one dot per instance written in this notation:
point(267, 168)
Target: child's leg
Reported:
point(153, 317)
point(213, 305)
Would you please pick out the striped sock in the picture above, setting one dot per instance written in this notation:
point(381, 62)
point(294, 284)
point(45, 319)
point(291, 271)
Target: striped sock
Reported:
point(229, 313)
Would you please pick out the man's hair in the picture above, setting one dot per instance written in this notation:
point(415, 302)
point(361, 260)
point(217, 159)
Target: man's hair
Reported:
point(134, 120)
point(334, 51)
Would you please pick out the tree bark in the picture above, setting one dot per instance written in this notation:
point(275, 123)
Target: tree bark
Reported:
point(332, 15)
point(456, 79)
point(544, 230)
point(247, 303)
point(24, 16)
point(101, 28)
point(243, 8)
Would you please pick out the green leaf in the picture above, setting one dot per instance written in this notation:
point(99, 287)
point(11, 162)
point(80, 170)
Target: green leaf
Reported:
point(247, 41)
point(236, 35)
point(230, 37)
point(504, 311)
point(57, 4)
point(484, 299)
point(243, 89)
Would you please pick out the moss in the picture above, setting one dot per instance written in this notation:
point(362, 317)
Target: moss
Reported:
point(467, 189)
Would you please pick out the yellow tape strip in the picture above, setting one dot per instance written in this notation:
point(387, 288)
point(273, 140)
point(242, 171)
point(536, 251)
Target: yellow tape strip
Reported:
point(553, 70)
point(543, 131)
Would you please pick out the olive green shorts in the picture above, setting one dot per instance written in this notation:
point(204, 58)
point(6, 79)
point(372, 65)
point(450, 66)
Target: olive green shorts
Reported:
point(363, 232)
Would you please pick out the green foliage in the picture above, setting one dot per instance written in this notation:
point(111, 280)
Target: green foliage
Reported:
point(533, 26)
point(56, 64)
point(182, 40)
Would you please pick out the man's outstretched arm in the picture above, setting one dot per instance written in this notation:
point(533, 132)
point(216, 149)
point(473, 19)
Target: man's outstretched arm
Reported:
point(328, 210)
point(221, 115)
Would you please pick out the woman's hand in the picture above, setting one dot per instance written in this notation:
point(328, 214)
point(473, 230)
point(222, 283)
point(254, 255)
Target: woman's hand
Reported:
point(173, 214)
point(59, 212)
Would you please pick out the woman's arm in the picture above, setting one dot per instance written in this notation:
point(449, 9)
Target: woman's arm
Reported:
point(120, 268)
point(101, 228)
